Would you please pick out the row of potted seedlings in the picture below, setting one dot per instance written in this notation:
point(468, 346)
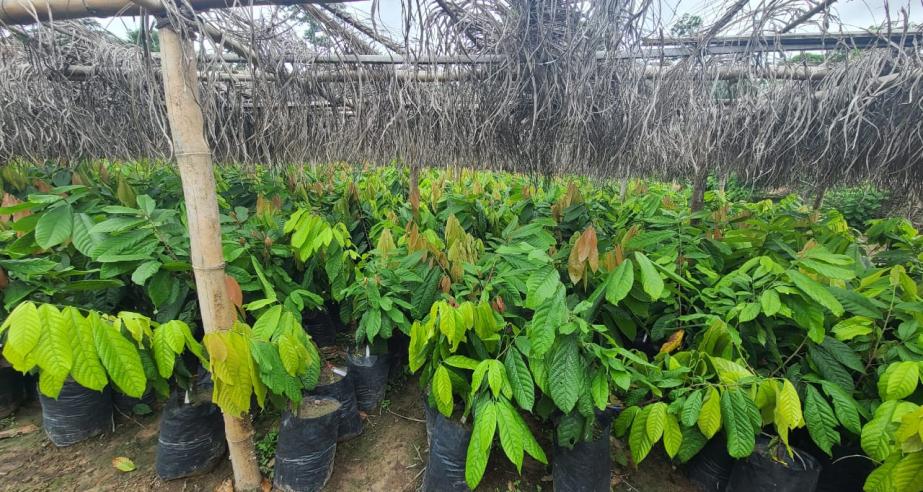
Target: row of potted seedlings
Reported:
point(778, 342)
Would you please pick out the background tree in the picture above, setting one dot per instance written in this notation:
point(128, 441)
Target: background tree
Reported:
point(136, 36)
point(687, 25)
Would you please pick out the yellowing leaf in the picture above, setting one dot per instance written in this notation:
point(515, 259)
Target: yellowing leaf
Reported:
point(674, 341)
point(442, 391)
point(123, 464)
point(899, 380)
point(25, 328)
point(709, 420)
point(787, 415)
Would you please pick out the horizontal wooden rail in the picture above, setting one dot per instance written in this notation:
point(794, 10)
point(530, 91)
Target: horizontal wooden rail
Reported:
point(19, 12)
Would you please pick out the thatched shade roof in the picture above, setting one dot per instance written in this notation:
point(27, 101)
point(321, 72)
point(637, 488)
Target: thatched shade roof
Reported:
point(541, 86)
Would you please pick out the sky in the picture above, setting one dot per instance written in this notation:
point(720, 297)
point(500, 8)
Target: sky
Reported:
point(854, 14)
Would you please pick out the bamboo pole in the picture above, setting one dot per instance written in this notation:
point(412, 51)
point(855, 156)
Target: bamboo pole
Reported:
point(32, 11)
point(194, 160)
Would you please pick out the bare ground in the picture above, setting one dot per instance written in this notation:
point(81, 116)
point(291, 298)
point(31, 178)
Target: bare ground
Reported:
point(389, 456)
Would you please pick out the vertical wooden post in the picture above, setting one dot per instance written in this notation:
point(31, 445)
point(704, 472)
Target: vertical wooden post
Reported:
point(194, 160)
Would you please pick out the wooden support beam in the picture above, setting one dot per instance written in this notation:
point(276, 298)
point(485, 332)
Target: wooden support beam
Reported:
point(193, 157)
point(337, 30)
point(364, 29)
point(19, 12)
point(795, 72)
point(725, 19)
point(807, 15)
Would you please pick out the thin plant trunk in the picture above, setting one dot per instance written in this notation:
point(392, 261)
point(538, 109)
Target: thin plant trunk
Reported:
point(697, 201)
point(819, 198)
point(722, 183)
point(623, 189)
point(414, 189)
point(195, 168)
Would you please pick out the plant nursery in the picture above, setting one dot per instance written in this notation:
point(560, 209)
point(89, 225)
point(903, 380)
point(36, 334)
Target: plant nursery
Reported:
point(454, 245)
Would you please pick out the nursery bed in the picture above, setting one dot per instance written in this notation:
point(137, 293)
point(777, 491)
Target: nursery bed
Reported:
point(389, 456)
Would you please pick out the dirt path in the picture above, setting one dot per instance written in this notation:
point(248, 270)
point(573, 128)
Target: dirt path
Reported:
point(389, 456)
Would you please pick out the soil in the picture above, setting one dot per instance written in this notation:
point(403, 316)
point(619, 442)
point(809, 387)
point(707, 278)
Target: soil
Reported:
point(312, 408)
point(390, 455)
point(327, 376)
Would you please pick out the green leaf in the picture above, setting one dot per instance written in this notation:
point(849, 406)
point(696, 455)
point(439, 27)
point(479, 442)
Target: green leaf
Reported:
point(160, 288)
point(856, 303)
point(570, 429)
point(496, 375)
point(289, 354)
point(53, 353)
point(672, 436)
point(709, 420)
point(769, 301)
point(638, 441)
point(880, 480)
point(545, 321)
point(741, 436)
point(830, 368)
point(849, 328)
point(620, 282)
point(50, 384)
point(907, 474)
point(875, 439)
point(461, 362)
point(86, 370)
point(54, 226)
point(656, 419)
point(599, 387)
point(24, 329)
point(29, 266)
point(691, 408)
point(541, 285)
point(844, 406)
point(442, 391)
point(119, 356)
point(693, 442)
point(83, 240)
point(164, 356)
point(566, 374)
point(145, 271)
point(266, 325)
point(816, 291)
point(482, 436)
point(511, 433)
point(520, 379)
point(900, 380)
point(371, 324)
point(844, 354)
point(820, 420)
point(828, 270)
point(624, 420)
point(650, 279)
point(749, 312)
